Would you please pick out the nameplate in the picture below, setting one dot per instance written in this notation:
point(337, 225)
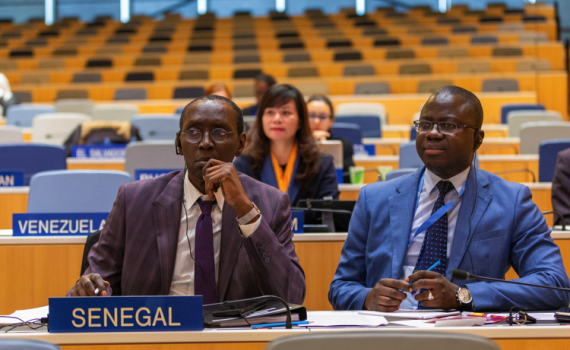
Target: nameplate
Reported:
point(9, 178)
point(298, 220)
point(99, 151)
point(143, 174)
point(125, 314)
point(57, 224)
point(364, 150)
point(339, 176)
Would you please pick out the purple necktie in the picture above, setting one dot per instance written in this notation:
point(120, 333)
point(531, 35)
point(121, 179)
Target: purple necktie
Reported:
point(205, 268)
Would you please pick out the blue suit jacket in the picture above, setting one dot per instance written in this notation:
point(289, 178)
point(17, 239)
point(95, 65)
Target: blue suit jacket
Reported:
point(499, 229)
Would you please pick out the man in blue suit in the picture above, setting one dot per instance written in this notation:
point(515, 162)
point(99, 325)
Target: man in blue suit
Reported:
point(447, 215)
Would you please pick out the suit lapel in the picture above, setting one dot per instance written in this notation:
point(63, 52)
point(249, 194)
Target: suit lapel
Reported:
point(230, 246)
point(267, 175)
point(463, 228)
point(166, 216)
point(293, 189)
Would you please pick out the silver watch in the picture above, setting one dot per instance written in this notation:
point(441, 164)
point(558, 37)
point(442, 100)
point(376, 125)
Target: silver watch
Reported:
point(249, 216)
point(464, 299)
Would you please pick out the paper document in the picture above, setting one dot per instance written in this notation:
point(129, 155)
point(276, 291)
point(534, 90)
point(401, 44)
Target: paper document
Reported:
point(412, 315)
point(414, 323)
point(343, 319)
point(25, 315)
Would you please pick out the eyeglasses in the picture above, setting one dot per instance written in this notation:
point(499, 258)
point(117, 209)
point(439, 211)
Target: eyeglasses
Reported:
point(448, 128)
point(320, 117)
point(218, 135)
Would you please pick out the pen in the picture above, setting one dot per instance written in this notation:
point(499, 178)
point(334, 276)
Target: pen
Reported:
point(437, 263)
point(267, 325)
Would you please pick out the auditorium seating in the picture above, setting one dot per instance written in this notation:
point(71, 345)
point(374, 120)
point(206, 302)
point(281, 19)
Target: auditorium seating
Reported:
point(547, 155)
point(533, 133)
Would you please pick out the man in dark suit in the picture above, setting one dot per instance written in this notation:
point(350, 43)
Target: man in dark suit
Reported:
point(208, 230)
point(561, 187)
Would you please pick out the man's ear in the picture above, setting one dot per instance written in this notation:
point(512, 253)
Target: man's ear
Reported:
point(479, 140)
point(178, 145)
point(242, 140)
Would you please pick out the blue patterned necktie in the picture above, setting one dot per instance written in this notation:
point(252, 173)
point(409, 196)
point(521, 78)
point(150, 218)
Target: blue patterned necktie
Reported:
point(434, 247)
point(205, 268)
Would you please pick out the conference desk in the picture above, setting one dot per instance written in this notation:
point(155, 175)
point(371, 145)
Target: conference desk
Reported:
point(491, 145)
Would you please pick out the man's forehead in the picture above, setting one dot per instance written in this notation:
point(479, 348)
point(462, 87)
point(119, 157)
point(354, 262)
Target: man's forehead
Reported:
point(448, 102)
point(209, 109)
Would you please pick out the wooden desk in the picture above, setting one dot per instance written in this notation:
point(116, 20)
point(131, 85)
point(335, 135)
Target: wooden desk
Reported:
point(491, 145)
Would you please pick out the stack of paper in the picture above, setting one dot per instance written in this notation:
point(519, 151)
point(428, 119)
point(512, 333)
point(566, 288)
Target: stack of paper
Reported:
point(25, 315)
point(412, 315)
point(343, 319)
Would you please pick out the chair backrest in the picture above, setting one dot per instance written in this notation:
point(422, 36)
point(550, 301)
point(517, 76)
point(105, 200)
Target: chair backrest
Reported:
point(415, 68)
point(484, 39)
point(499, 85)
point(26, 344)
point(547, 155)
point(247, 59)
point(518, 118)
point(194, 75)
point(114, 112)
point(32, 158)
point(55, 128)
point(82, 106)
point(72, 94)
point(373, 340)
point(453, 52)
point(11, 134)
point(139, 76)
point(399, 172)
point(157, 127)
point(371, 89)
point(75, 191)
point(430, 86)
point(398, 54)
point(244, 91)
point(313, 89)
point(296, 57)
point(361, 109)
point(152, 155)
point(370, 125)
point(86, 78)
point(333, 148)
point(302, 72)
point(188, 92)
point(409, 157)
point(507, 51)
point(533, 133)
point(349, 131)
point(358, 70)
point(506, 108)
point(474, 67)
point(533, 66)
point(130, 94)
point(22, 115)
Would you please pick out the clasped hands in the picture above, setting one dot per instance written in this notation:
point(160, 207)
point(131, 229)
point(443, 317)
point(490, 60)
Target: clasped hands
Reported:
point(386, 296)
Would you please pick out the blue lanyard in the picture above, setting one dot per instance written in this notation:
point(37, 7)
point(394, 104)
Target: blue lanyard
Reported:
point(435, 216)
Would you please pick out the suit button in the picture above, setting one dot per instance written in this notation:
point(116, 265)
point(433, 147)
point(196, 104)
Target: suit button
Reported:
point(259, 245)
point(267, 260)
point(264, 255)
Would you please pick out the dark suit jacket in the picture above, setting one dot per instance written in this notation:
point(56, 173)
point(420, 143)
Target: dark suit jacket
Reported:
point(561, 187)
point(251, 110)
point(324, 184)
point(137, 248)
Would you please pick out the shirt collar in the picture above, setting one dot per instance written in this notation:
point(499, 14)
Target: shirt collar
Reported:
point(191, 194)
point(431, 180)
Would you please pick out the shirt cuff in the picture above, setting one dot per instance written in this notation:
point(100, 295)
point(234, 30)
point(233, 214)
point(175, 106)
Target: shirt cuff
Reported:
point(248, 229)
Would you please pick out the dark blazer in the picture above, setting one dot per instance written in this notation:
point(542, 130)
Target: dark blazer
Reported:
point(325, 183)
point(347, 153)
point(251, 110)
point(137, 248)
point(561, 187)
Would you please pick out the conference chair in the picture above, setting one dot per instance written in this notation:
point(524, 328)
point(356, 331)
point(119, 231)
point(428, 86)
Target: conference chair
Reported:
point(244, 91)
point(474, 67)
point(431, 86)
point(89, 243)
point(188, 92)
point(512, 27)
point(453, 52)
point(22, 115)
point(11, 134)
point(302, 72)
point(152, 155)
point(371, 89)
point(194, 75)
point(507, 51)
point(23, 96)
point(139, 76)
point(8, 65)
point(86, 78)
point(435, 41)
point(348, 56)
point(353, 71)
point(532, 37)
point(547, 154)
point(533, 133)
point(415, 68)
point(399, 54)
point(26, 344)
point(56, 63)
point(533, 66)
point(296, 57)
point(130, 94)
point(370, 125)
point(72, 94)
point(506, 108)
point(157, 127)
point(114, 112)
point(518, 118)
point(32, 158)
point(362, 109)
point(334, 43)
point(82, 106)
point(373, 31)
point(313, 89)
point(246, 73)
point(246, 59)
point(409, 157)
point(35, 79)
point(349, 131)
point(500, 85)
point(387, 41)
point(147, 61)
point(55, 128)
point(484, 39)
point(399, 172)
point(99, 63)
point(374, 340)
point(464, 29)
point(291, 44)
point(75, 191)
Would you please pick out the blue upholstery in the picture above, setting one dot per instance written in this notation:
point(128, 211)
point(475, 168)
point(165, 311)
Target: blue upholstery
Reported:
point(26, 344)
point(409, 157)
point(399, 172)
point(157, 128)
point(547, 153)
point(349, 131)
point(75, 191)
point(505, 109)
point(22, 115)
point(179, 110)
point(369, 125)
point(413, 133)
point(32, 158)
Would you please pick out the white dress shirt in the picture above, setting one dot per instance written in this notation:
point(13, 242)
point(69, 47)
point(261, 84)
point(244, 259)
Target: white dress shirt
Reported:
point(428, 196)
point(183, 276)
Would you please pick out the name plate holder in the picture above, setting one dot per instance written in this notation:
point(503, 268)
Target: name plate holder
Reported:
point(57, 224)
point(298, 221)
point(125, 314)
point(11, 178)
point(114, 151)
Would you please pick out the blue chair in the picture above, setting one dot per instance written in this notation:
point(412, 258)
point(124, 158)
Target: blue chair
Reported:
point(547, 154)
point(409, 157)
point(413, 134)
point(399, 172)
point(22, 115)
point(179, 110)
point(505, 109)
point(157, 128)
point(75, 191)
point(26, 344)
point(369, 125)
point(32, 158)
point(349, 131)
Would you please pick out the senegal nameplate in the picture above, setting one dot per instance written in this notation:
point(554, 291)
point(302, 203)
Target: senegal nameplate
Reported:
point(125, 314)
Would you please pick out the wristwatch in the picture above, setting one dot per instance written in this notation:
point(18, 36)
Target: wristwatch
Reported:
point(464, 299)
point(244, 220)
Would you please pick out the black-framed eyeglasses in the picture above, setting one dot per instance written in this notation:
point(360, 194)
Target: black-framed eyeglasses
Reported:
point(320, 117)
point(448, 128)
point(518, 316)
point(217, 135)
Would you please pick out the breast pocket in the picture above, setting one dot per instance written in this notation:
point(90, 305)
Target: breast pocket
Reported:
point(482, 236)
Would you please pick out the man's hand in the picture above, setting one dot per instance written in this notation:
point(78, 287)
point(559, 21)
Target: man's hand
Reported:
point(386, 295)
point(220, 174)
point(321, 135)
point(86, 285)
point(443, 291)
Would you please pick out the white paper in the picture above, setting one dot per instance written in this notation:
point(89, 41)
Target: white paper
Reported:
point(415, 323)
point(460, 322)
point(543, 316)
point(25, 315)
point(342, 319)
point(413, 315)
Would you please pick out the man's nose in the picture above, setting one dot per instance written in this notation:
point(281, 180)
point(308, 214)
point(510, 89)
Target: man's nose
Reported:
point(206, 141)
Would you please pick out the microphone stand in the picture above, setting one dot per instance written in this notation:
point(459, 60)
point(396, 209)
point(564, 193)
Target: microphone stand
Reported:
point(464, 275)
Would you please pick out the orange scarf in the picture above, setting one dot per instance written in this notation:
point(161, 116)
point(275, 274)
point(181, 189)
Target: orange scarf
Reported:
point(284, 178)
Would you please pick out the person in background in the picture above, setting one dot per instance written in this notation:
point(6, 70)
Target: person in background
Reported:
point(220, 90)
point(321, 118)
point(7, 98)
point(262, 83)
point(561, 187)
point(282, 152)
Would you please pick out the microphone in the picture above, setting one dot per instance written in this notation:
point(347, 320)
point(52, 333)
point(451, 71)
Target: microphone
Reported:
point(464, 275)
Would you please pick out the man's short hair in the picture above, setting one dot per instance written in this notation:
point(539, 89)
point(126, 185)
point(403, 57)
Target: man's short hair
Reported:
point(237, 111)
point(265, 78)
point(473, 103)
